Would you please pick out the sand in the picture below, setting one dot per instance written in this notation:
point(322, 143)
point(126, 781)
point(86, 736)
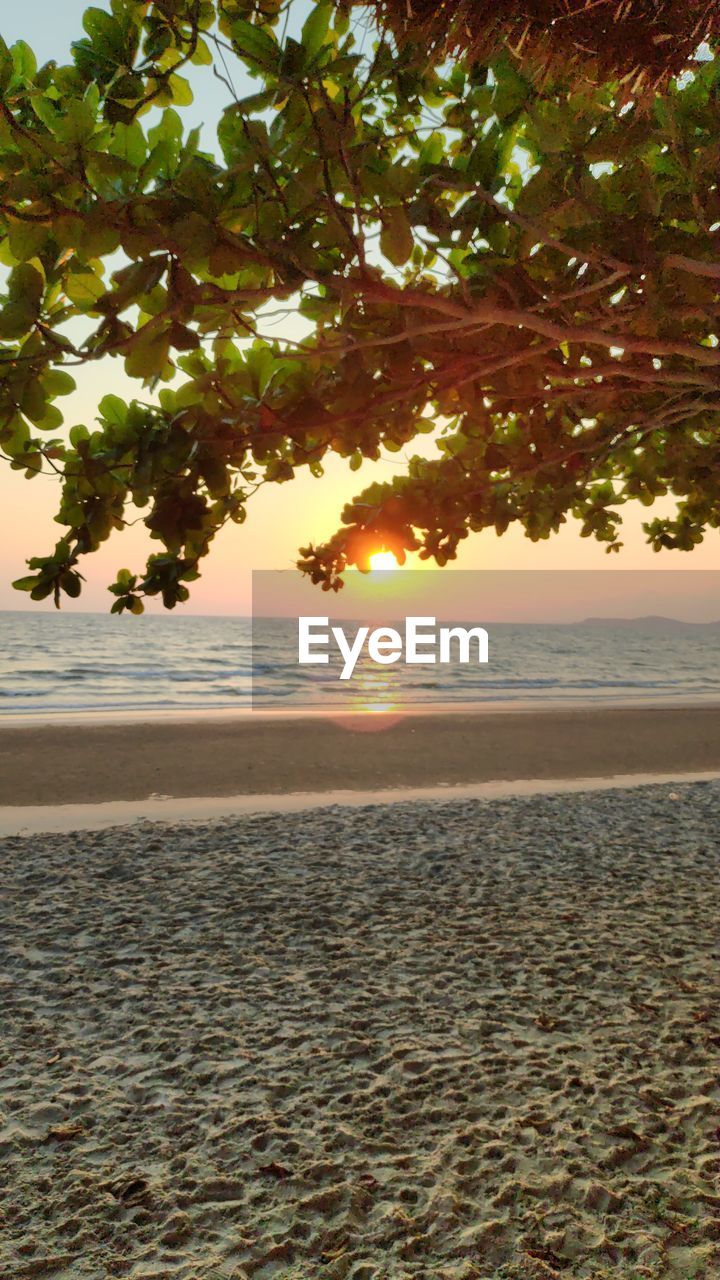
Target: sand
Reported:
point(87, 762)
point(452, 1041)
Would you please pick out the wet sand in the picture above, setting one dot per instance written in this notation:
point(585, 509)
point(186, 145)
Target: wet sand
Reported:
point(78, 763)
point(451, 1041)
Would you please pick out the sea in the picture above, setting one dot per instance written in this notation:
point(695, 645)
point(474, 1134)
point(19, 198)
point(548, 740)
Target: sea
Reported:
point(59, 664)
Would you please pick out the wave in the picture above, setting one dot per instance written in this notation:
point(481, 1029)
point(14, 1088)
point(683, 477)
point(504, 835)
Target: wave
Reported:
point(91, 663)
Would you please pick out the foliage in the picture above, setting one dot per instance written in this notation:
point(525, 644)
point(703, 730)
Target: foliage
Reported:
point(531, 272)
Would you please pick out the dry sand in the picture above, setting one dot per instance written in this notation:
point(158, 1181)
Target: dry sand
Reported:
point(89, 762)
point(451, 1041)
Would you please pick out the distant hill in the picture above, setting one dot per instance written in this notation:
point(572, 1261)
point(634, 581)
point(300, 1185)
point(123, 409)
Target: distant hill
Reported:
point(650, 622)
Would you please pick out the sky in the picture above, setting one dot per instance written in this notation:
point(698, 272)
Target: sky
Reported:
point(383, 597)
point(281, 518)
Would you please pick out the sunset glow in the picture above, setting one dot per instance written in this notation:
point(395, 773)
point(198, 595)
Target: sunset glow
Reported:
point(383, 560)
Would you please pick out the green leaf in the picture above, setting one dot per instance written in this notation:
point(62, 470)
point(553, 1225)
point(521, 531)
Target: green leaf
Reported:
point(26, 239)
point(57, 382)
point(254, 44)
point(182, 93)
point(15, 436)
point(27, 583)
point(50, 420)
point(170, 128)
point(433, 149)
point(316, 28)
point(79, 435)
point(76, 125)
point(26, 288)
point(113, 410)
point(261, 363)
point(83, 289)
point(511, 90)
point(24, 62)
point(202, 56)
point(106, 34)
point(129, 143)
point(71, 584)
point(148, 356)
point(396, 237)
point(26, 284)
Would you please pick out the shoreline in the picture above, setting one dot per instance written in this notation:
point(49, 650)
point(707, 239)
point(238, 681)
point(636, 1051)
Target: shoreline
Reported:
point(247, 714)
point(70, 764)
point(73, 819)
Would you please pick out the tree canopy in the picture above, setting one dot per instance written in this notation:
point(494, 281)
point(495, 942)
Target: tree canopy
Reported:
point(526, 266)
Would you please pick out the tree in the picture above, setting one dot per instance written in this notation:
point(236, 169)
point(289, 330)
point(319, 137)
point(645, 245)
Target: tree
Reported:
point(527, 266)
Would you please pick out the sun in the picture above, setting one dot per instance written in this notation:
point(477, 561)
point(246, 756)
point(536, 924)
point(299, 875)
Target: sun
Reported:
point(383, 560)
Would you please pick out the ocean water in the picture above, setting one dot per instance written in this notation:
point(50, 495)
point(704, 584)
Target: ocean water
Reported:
point(54, 663)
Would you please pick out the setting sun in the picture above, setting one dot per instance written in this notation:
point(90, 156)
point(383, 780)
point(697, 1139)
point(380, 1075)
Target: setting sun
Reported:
point(383, 560)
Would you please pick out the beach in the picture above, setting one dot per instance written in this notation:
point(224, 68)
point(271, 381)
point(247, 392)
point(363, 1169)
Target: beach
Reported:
point(360, 838)
point(464, 1040)
point(86, 760)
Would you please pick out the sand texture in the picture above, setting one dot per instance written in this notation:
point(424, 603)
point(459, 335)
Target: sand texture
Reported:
point(87, 762)
point(451, 1041)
